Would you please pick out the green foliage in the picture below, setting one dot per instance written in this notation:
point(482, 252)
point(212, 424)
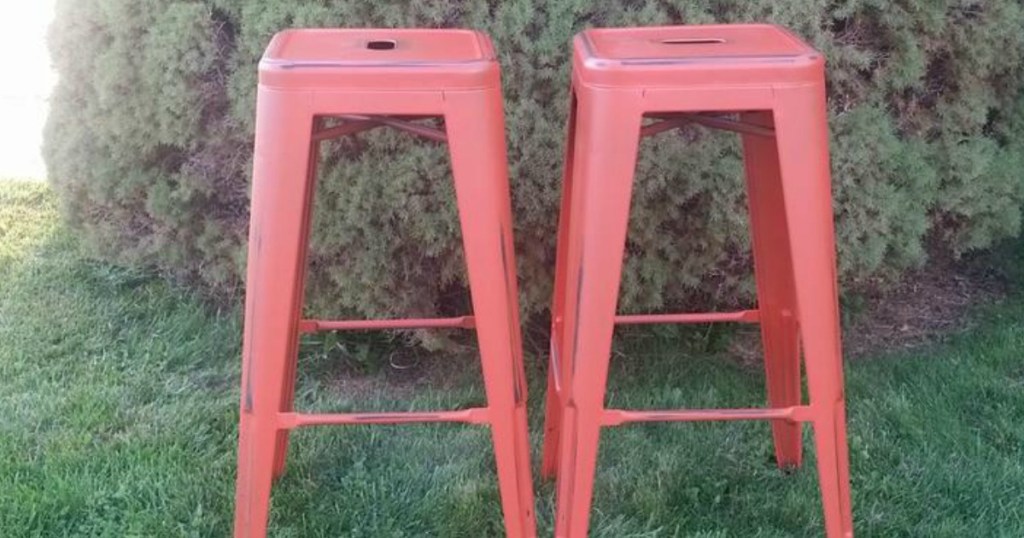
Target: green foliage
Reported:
point(150, 136)
point(119, 398)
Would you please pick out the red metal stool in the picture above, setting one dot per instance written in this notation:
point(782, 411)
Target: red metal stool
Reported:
point(675, 76)
point(320, 84)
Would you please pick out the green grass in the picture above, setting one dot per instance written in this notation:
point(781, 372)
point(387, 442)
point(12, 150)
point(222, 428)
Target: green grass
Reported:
point(118, 397)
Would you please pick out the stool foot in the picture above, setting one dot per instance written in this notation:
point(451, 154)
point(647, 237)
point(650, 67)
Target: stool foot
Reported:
point(256, 456)
point(833, 472)
point(511, 455)
point(581, 436)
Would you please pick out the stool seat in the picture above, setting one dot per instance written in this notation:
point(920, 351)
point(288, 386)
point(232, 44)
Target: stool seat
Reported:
point(693, 55)
point(380, 58)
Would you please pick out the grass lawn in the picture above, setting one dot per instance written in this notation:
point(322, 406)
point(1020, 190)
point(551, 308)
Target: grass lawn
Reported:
point(119, 398)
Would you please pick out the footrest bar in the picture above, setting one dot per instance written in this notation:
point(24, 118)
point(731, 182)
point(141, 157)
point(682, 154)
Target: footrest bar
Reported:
point(316, 325)
point(618, 417)
point(742, 316)
point(476, 415)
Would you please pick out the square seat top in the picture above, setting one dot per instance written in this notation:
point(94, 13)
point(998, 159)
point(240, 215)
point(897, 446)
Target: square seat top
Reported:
point(750, 48)
point(363, 54)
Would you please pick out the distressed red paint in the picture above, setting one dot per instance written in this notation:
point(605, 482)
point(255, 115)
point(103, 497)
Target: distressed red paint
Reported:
point(767, 85)
point(359, 80)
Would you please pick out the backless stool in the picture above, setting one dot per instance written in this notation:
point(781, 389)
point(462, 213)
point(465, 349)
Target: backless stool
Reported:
point(766, 84)
point(319, 84)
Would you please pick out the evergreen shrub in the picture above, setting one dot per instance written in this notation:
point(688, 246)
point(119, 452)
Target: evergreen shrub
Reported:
point(150, 135)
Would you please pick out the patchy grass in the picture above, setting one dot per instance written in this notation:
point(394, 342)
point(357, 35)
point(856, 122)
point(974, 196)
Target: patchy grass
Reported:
point(119, 399)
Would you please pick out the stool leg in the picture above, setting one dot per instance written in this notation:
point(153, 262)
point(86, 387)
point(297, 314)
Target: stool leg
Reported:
point(776, 300)
point(281, 451)
point(553, 403)
point(476, 136)
point(277, 237)
point(802, 135)
point(552, 425)
point(605, 158)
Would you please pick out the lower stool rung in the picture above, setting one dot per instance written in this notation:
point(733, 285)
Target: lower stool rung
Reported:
point(315, 325)
point(617, 417)
point(742, 316)
point(476, 415)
